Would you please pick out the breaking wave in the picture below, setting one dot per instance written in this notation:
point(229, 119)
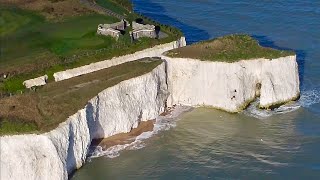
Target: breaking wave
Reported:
point(162, 123)
point(307, 99)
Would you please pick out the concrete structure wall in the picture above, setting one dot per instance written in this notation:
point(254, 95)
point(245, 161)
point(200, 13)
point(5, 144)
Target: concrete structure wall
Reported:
point(39, 81)
point(150, 52)
point(109, 32)
point(143, 33)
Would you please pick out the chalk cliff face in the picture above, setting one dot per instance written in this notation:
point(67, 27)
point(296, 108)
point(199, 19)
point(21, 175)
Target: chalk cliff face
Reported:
point(231, 86)
point(56, 154)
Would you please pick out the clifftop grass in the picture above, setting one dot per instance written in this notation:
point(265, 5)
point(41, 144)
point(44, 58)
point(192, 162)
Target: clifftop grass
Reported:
point(231, 48)
point(52, 104)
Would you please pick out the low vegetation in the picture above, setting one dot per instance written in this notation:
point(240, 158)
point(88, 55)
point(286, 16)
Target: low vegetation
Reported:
point(114, 5)
point(125, 4)
point(43, 109)
point(229, 48)
point(34, 42)
point(54, 10)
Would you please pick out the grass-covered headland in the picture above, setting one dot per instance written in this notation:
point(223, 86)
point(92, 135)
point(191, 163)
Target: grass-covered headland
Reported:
point(231, 48)
point(44, 109)
point(46, 36)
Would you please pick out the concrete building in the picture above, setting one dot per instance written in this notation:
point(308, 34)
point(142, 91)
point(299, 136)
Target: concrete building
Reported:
point(142, 30)
point(113, 30)
point(138, 30)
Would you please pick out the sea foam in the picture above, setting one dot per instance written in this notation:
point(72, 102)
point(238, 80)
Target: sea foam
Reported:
point(307, 99)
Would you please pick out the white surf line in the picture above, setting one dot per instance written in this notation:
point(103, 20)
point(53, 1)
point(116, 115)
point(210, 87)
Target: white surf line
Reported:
point(307, 99)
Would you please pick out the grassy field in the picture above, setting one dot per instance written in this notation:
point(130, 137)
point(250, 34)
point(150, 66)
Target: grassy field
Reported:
point(46, 36)
point(33, 44)
point(229, 48)
point(32, 40)
point(52, 104)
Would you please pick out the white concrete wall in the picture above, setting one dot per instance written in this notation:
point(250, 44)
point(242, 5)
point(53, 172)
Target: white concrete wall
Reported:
point(230, 86)
point(39, 81)
point(150, 52)
point(56, 154)
point(109, 32)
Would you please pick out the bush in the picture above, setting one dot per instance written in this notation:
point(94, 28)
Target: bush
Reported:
point(13, 85)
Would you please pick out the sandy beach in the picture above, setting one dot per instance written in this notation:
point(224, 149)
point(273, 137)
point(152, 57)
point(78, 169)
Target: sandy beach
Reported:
point(124, 138)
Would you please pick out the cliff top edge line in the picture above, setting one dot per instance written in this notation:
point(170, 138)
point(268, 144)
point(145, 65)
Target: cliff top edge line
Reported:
point(230, 48)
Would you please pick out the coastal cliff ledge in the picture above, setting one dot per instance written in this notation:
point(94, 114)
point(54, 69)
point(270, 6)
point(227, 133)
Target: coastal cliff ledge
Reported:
point(230, 72)
point(119, 105)
point(73, 112)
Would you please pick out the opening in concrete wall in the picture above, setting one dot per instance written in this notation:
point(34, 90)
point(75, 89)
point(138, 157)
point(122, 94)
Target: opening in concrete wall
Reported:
point(157, 30)
point(139, 20)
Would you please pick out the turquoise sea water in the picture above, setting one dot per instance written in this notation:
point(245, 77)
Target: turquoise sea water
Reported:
point(211, 144)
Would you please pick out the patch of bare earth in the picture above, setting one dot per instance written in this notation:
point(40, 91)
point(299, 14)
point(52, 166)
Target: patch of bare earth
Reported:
point(21, 108)
point(51, 9)
point(230, 48)
point(198, 50)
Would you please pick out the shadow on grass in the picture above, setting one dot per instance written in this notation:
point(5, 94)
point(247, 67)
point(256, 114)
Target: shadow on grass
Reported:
point(301, 55)
point(158, 13)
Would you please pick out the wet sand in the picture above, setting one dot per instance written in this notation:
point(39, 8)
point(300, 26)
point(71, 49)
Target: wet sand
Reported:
point(124, 138)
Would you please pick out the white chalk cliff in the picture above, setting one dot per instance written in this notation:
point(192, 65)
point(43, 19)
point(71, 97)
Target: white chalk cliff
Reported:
point(231, 86)
point(118, 109)
point(56, 154)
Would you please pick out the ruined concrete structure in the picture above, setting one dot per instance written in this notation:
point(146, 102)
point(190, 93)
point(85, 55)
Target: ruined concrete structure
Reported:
point(142, 30)
point(113, 30)
point(138, 30)
point(39, 81)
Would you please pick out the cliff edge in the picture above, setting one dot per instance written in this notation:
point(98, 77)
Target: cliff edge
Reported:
point(56, 154)
point(229, 72)
point(232, 86)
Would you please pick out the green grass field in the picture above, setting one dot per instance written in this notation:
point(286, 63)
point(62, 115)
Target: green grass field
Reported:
point(36, 41)
point(33, 35)
point(32, 46)
point(231, 48)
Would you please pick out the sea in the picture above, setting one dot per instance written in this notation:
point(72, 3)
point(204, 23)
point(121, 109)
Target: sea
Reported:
point(204, 143)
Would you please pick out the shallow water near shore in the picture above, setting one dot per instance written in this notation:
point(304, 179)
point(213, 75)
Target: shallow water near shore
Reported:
point(254, 144)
